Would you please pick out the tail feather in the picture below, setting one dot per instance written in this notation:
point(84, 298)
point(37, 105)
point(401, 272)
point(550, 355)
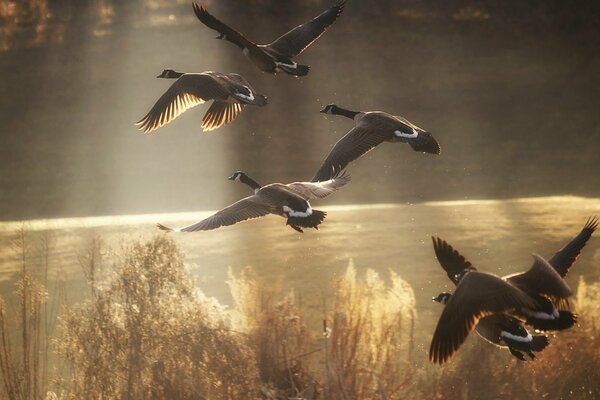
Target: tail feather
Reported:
point(565, 320)
point(539, 342)
point(312, 221)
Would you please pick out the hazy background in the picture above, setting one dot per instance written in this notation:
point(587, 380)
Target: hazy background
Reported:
point(510, 90)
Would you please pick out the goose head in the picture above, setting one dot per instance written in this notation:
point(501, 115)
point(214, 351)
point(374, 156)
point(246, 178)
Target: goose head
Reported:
point(169, 74)
point(442, 297)
point(237, 176)
point(329, 109)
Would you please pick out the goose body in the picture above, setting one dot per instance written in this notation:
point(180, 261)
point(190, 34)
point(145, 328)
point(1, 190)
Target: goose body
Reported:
point(543, 281)
point(371, 129)
point(290, 201)
point(478, 295)
point(506, 331)
point(278, 55)
point(229, 92)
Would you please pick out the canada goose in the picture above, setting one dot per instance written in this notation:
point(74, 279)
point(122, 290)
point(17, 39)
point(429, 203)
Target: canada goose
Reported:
point(278, 55)
point(541, 282)
point(554, 314)
point(504, 330)
point(371, 129)
point(477, 295)
point(230, 93)
point(290, 201)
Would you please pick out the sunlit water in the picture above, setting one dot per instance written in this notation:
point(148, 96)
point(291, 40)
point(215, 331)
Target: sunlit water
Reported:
point(496, 235)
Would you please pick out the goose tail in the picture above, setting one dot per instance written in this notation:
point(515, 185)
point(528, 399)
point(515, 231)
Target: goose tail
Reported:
point(565, 320)
point(539, 342)
point(311, 221)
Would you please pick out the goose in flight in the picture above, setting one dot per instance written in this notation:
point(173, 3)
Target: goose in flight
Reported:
point(371, 129)
point(276, 56)
point(229, 92)
point(290, 201)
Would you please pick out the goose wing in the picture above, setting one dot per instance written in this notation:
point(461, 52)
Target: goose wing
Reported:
point(186, 92)
point(454, 263)
point(298, 39)
point(541, 279)
point(357, 142)
point(220, 113)
point(565, 257)
point(245, 209)
point(477, 295)
point(230, 34)
point(311, 190)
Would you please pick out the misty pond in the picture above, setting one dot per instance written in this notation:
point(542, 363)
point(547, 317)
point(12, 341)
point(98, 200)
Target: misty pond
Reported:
point(96, 302)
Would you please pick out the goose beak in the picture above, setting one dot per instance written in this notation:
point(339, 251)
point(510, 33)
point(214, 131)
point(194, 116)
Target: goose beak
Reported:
point(232, 177)
point(159, 76)
point(262, 101)
point(324, 110)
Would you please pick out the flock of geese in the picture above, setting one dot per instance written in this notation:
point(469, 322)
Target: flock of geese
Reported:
point(497, 308)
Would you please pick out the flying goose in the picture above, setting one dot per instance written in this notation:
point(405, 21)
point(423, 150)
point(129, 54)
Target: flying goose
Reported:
point(505, 331)
point(371, 129)
point(477, 295)
point(290, 201)
point(554, 313)
point(541, 282)
point(501, 329)
point(278, 55)
point(230, 93)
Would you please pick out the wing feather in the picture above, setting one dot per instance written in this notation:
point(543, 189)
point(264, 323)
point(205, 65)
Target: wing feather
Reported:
point(298, 39)
point(311, 190)
point(186, 92)
point(356, 143)
point(565, 257)
point(242, 210)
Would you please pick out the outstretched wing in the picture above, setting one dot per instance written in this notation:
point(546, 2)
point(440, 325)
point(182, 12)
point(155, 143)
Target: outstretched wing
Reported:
point(220, 113)
point(311, 190)
point(357, 142)
point(230, 34)
point(454, 263)
point(186, 92)
point(298, 39)
point(477, 295)
point(541, 279)
point(245, 209)
point(565, 257)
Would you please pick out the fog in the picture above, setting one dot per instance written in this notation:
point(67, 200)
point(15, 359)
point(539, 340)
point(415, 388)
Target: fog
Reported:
point(510, 93)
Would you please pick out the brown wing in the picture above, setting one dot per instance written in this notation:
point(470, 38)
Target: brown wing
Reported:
point(477, 295)
point(220, 113)
point(311, 190)
point(565, 257)
point(245, 209)
point(298, 39)
point(186, 92)
point(359, 141)
point(230, 34)
point(451, 260)
point(541, 279)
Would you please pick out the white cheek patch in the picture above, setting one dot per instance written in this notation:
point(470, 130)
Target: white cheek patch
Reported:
point(517, 338)
point(541, 315)
point(246, 97)
point(290, 212)
point(245, 50)
point(406, 135)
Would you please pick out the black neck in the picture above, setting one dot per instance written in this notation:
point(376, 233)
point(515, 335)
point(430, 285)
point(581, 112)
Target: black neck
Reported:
point(342, 111)
point(249, 181)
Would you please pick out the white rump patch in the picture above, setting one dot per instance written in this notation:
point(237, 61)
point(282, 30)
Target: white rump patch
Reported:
point(300, 214)
point(407, 135)
point(243, 96)
point(292, 65)
point(542, 315)
point(523, 339)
